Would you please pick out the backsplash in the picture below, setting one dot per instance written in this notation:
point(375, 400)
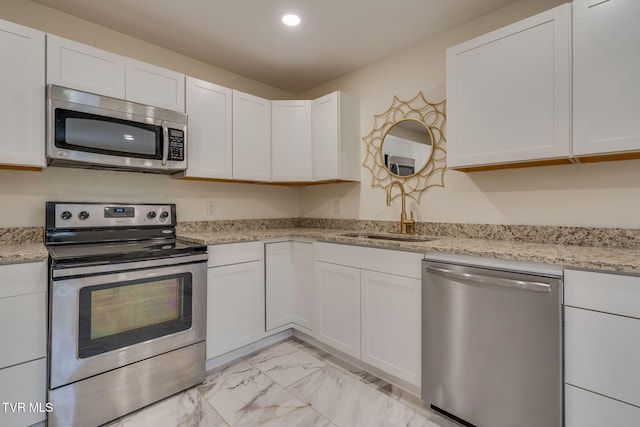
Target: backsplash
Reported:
point(577, 236)
point(621, 238)
point(19, 235)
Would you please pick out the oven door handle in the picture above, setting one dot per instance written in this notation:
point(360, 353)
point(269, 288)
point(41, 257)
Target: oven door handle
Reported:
point(80, 270)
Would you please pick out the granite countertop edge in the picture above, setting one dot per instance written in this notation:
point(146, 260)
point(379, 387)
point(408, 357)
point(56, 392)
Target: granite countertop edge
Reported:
point(568, 256)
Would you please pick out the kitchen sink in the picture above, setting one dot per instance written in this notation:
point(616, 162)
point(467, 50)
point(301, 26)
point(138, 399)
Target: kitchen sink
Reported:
point(394, 237)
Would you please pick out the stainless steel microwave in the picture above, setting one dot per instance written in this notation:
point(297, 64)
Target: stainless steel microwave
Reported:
point(93, 131)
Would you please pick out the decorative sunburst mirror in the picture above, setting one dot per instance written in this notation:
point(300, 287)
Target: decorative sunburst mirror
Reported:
point(407, 145)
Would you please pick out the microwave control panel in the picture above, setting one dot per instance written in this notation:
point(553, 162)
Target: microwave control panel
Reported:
point(176, 145)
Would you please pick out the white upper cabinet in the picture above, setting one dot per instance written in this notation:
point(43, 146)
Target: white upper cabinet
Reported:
point(78, 66)
point(251, 137)
point(291, 140)
point(336, 138)
point(209, 107)
point(606, 82)
point(22, 101)
point(509, 94)
point(152, 85)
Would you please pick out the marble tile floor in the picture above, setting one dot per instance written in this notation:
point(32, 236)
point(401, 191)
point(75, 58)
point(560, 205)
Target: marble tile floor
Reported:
point(289, 384)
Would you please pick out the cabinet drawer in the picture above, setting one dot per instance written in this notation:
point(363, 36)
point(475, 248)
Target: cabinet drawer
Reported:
point(602, 352)
point(400, 263)
point(22, 279)
point(586, 409)
point(234, 253)
point(610, 293)
point(22, 328)
point(25, 383)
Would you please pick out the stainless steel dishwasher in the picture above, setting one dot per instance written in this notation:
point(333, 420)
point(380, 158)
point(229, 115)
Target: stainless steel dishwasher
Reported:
point(492, 344)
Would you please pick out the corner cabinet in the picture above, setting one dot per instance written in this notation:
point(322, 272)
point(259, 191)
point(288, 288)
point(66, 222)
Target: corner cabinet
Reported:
point(336, 138)
point(22, 81)
point(86, 68)
point(23, 334)
point(251, 137)
point(509, 94)
point(289, 285)
point(209, 146)
point(291, 141)
point(602, 349)
point(606, 81)
point(368, 305)
point(235, 297)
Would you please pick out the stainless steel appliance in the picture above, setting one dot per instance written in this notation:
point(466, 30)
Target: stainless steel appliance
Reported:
point(127, 309)
point(401, 166)
point(93, 131)
point(492, 344)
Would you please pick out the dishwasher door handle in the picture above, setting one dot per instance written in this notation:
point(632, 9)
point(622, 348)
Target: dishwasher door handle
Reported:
point(477, 279)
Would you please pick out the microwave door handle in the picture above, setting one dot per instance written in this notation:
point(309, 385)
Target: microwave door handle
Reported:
point(165, 143)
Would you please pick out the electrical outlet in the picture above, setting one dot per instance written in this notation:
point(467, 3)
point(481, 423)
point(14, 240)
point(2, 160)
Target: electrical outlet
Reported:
point(337, 205)
point(211, 208)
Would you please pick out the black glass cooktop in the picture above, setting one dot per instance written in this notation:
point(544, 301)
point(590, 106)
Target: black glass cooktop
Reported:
point(113, 252)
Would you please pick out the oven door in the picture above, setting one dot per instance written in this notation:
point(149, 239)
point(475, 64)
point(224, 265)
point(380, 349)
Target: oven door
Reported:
point(103, 317)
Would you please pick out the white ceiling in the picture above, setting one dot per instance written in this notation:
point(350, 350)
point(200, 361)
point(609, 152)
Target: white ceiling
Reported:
point(247, 37)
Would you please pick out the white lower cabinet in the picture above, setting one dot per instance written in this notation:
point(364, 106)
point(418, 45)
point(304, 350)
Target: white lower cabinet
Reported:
point(303, 286)
point(289, 285)
point(235, 297)
point(602, 349)
point(23, 348)
point(279, 284)
point(368, 305)
point(391, 324)
point(338, 307)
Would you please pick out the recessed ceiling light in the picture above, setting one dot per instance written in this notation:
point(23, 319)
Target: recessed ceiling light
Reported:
point(290, 19)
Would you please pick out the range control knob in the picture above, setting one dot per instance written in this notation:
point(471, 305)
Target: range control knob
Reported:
point(151, 214)
point(164, 214)
point(66, 215)
point(83, 215)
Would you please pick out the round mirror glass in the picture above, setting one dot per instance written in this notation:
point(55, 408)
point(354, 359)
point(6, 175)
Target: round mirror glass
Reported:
point(407, 147)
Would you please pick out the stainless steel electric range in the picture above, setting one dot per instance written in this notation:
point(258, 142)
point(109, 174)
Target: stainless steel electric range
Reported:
point(127, 309)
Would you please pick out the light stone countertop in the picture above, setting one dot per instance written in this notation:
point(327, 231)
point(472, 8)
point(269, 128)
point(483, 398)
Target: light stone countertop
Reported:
point(11, 253)
point(580, 257)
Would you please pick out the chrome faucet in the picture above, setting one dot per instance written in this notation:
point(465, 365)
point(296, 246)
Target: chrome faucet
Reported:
point(404, 222)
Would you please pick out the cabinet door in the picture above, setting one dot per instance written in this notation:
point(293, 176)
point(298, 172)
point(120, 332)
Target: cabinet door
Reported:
point(251, 137)
point(155, 86)
point(25, 383)
point(209, 145)
point(22, 101)
point(602, 352)
point(586, 409)
point(508, 93)
point(606, 66)
point(291, 140)
point(326, 137)
point(391, 319)
point(338, 307)
point(279, 284)
point(78, 66)
point(303, 285)
point(235, 306)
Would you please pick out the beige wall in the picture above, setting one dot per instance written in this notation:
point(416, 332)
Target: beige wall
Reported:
point(23, 194)
point(604, 194)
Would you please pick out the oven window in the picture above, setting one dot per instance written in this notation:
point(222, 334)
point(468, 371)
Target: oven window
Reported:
point(106, 135)
point(120, 314)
